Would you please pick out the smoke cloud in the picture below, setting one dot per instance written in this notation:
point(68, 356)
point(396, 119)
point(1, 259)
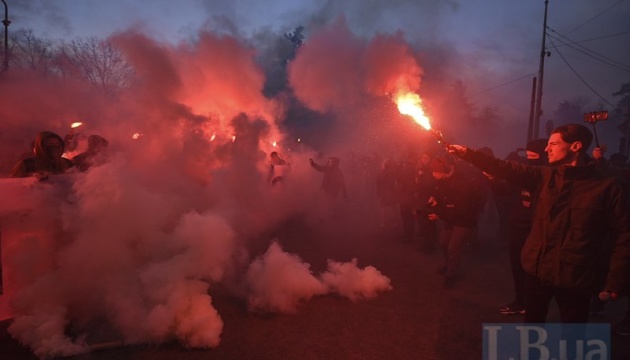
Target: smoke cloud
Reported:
point(133, 247)
point(279, 281)
point(348, 68)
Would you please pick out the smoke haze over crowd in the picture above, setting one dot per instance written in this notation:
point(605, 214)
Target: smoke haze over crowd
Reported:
point(492, 47)
point(183, 202)
point(139, 242)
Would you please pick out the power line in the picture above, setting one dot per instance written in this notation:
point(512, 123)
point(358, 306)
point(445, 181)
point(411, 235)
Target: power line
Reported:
point(602, 37)
point(598, 15)
point(579, 76)
point(598, 57)
point(590, 53)
point(501, 85)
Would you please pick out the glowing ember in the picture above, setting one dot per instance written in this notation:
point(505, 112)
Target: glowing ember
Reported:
point(136, 136)
point(411, 104)
point(76, 124)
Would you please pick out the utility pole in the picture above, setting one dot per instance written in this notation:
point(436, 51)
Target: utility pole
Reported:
point(5, 68)
point(6, 22)
point(541, 69)
point(532, 106)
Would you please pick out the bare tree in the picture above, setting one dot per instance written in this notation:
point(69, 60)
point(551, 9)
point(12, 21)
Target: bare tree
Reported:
point(96, 60)
point(31, 52)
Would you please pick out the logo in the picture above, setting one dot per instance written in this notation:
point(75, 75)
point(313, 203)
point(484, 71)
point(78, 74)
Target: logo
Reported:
point(546, 341)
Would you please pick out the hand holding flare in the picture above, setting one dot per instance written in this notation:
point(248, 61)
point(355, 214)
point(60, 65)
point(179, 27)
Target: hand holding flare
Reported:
point(410, 104)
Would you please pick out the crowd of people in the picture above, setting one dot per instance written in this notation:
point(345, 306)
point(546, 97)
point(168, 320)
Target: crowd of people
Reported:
point(565, 215)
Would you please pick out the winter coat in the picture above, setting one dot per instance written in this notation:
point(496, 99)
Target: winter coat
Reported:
point(333, 183)
point(580, 223)
point(42, 162)
point(456, 200)
point(425, 188)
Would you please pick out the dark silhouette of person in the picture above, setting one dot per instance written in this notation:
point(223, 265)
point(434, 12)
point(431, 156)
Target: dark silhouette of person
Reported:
point(519, 223)
point(278, 168)
point(48, 149)
point(406, 185)
point(386, 181)
point(333, 183)
point(94, 155)
point(454, 206)
point(425, 189)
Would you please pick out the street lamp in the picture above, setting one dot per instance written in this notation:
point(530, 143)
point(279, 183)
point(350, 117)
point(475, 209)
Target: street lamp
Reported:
point(6, 22)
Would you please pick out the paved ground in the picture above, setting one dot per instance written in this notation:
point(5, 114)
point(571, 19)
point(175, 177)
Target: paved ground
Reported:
point(417, 320)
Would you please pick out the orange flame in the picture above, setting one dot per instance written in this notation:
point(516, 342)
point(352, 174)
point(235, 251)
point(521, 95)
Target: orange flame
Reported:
point(76, 124)
point(411, 104)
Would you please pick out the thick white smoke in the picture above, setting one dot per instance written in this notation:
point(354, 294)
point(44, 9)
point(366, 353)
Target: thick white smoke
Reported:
point(349, 281)
point(280, 281)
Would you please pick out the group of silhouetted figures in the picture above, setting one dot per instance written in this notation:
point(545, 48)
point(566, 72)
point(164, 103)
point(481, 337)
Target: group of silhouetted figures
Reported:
point(565, 215)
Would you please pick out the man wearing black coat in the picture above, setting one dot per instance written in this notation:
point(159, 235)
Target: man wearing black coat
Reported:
point(576, 205)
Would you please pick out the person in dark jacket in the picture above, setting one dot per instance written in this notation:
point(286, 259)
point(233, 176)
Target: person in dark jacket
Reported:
point(454, 206)
point(519, 223)
point(617, 164)
point(333, 183)
point(576, 205)
point(406, 187)
point(386, 193)
point(48, 149)
point(425, 189)
point(94, 155)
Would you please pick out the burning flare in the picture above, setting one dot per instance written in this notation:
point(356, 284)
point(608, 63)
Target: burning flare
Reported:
point(76, 124)
point(411, 104)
